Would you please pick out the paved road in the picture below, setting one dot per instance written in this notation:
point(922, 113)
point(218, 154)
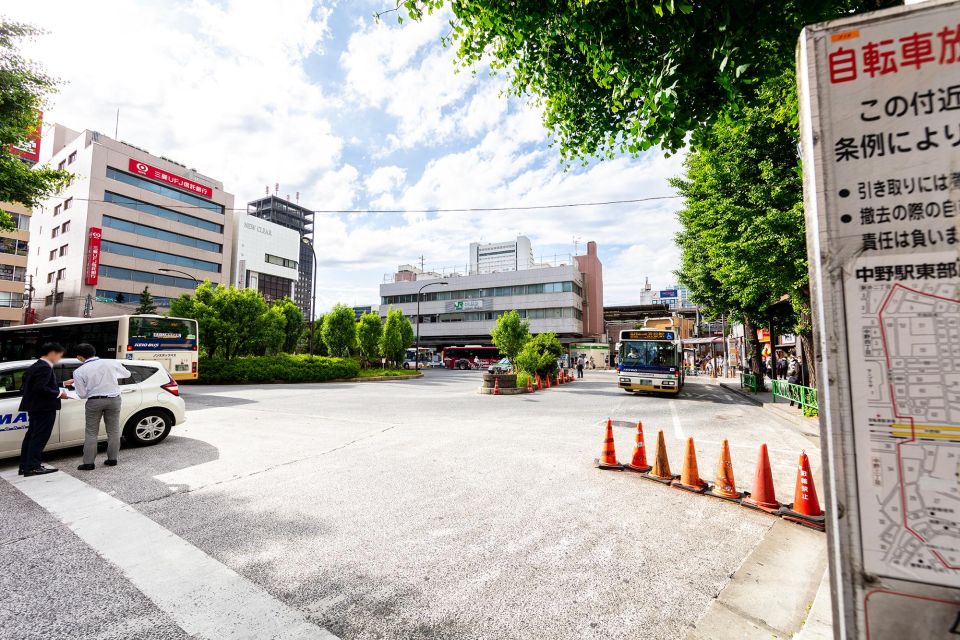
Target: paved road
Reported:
point(406, 509)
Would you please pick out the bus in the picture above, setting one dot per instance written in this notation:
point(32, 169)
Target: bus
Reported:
point(650, 360)
point(463, 357)
point(173, 342)
point(426, 358)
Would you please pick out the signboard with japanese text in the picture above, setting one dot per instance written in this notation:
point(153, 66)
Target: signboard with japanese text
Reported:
point(153, 173)
point(880, 112)
point(93, 255)
point(647, 334)
point(668, 293)
point(467, 305)
point(29, 148)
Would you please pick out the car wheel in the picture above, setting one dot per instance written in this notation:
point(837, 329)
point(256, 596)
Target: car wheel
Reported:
point(147, 428)
point(406, 365)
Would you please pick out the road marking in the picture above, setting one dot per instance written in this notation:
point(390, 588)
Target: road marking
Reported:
point(203, 596)
point(677, 430)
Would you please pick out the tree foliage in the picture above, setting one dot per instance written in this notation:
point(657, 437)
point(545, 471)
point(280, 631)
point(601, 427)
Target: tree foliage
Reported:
point(616, 76)
point(24, 88)
point(369, 331)
point(147, 305)
point(510, 334)
point(397, 336)
point(540, 355)
point(339, 331)
point(293, 323)
point(233, 322)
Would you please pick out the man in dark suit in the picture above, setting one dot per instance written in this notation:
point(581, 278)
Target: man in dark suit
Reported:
point(41, 401)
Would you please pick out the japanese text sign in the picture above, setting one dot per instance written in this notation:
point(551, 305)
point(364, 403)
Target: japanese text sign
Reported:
point(153, 173)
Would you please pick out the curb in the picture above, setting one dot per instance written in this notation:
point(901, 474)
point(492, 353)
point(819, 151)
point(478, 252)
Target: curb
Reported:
point(406, 376)
point(797, 419)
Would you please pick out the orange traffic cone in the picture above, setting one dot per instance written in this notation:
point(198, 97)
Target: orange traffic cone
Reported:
point(496, 386)
point(661, 465)
point(805, 509)
point(639, 462)
point(529, 384)
point(608, 456)
point(539, 383)
point(724, 486)
point(547, 378)
point(763, 496)
point(690, 479)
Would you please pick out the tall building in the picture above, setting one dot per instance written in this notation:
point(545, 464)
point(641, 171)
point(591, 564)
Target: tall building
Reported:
point(14, 246)
point(495, 257)
point(128, 220)
point(265, 257)
point(300, 219)
point(565, 298)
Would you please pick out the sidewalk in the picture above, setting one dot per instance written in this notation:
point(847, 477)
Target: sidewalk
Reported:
point(765, 399)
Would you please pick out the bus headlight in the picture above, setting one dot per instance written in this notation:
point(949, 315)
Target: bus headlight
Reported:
point(624, 379)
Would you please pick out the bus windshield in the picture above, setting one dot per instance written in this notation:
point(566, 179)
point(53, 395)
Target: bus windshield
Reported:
point(162, 333)
point(648, 353)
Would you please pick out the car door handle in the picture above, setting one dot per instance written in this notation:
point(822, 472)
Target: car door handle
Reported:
point(127, 390)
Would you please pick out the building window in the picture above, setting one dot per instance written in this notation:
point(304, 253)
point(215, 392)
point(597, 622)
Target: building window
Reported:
point(146, 276)
point(54, 232)
point(122, 297)
point(10, 272)
point(283, 262)
point(65, 227)
point(50, 277)
point(168, 214)
point(53, 254)
point(63, 250)
point(47, 301)
point(21, 221)
point(162, 190)
point(13, 246)
point(108, 246)
point(57, 209)
point(272, 287)
point(72, 157)
point(493, 292)
point(61, 274)
point(67, 203)
point(62, 165)
point(161, 234)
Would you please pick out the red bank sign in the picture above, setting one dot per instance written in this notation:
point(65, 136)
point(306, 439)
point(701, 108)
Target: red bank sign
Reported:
point(29, 147)
point(93, 254)
point(148, 171)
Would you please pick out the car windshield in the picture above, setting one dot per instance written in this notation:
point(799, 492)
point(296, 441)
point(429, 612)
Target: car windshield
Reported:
point(647, 353)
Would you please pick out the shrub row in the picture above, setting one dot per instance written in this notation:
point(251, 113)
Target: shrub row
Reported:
point(283, 367)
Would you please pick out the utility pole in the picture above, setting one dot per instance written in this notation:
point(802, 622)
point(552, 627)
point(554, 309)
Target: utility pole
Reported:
point(88, 306)
point(29, 308)
point(56, 290)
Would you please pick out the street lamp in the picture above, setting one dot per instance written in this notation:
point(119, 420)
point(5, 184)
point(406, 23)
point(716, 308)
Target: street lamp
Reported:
point(313, 299)
point(183, 273)
point(416, 355)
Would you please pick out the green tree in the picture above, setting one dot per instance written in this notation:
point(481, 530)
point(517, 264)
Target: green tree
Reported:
point(24, 88)
point(369, 330)
point(397, 337)
point(540, 355)
point(339, 331)
point(625, 76)
point(510, 334)
point(742, 238)
point(147, 305)
point(293, 323)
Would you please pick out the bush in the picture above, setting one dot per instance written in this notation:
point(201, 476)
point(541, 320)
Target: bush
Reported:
point(282, 367)
point(540, 355)
point(523, 378)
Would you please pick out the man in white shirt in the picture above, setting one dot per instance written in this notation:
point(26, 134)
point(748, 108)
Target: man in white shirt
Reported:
point(97, 382)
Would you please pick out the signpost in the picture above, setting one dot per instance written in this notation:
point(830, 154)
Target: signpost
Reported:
point(880, 118)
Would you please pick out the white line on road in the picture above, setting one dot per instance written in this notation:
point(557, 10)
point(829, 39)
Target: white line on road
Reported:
point(204, 597)
point(677, 430)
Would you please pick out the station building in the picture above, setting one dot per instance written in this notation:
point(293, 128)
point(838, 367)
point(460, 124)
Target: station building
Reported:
point(129, 219)
point(564, 297)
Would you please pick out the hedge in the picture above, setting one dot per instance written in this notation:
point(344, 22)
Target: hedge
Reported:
point(282, 367)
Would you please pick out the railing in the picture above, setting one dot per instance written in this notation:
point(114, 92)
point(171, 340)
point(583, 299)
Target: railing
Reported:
point(750, 381)
point(806, 397)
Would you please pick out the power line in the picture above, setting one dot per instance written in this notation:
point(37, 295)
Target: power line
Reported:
point(569, 205)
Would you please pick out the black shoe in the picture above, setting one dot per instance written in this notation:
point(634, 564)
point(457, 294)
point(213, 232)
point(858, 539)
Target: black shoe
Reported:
point(110, 463)
point(39, 471)
point(86, 467)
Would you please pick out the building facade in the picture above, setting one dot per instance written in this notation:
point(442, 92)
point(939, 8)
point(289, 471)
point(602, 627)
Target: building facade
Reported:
point(300, 219)
point(14, 284)
point(128, 220)
point(265, 257)
point(495, 257)
point(553, 298)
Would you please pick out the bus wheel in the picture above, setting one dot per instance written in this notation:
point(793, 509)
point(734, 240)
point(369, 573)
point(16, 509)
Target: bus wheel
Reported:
point(147, 428)
point(406, 365)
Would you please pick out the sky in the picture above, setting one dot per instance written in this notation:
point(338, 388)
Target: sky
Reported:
point(320, 98)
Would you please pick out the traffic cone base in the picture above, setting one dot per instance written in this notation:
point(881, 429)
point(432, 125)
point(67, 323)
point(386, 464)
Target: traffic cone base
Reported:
point(813, 522)
point(805, 508)
point(749, 502)
point(608, 455)
point(763, 496)
point(736, 498)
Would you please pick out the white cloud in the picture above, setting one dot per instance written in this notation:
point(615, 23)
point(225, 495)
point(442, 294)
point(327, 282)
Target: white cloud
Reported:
point(385, 179)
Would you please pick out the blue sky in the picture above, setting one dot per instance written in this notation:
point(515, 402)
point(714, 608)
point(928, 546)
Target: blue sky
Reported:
point(352, 114)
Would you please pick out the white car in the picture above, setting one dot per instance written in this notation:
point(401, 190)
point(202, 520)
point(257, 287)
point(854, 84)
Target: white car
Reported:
point(151, 405)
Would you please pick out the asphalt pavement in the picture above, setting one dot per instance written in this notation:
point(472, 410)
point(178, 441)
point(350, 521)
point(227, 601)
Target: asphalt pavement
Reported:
point(400, 509)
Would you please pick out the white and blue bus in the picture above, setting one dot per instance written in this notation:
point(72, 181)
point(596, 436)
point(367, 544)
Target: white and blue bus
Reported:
point(173, 342)
point(650, 360)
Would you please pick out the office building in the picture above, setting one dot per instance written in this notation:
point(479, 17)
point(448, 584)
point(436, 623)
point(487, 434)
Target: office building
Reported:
point(14, 246)
point(495, 257)
point(676, 297)
point(565, 298)
point(300, 219)
point(129, 220)
point(265, 257)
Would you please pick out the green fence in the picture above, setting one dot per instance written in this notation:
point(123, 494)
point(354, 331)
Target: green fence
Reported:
point(750, 381)
point(806, 397)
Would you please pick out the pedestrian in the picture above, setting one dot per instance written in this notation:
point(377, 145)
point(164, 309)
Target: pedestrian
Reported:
point(98, 382)
point(476, 362)
point(580, 363)
point(793, 375)
point(782, 364)
point(41, 400)
point(592, 363)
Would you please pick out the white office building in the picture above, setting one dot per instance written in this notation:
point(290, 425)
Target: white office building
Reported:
point(265, 257)
point(496, 257)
